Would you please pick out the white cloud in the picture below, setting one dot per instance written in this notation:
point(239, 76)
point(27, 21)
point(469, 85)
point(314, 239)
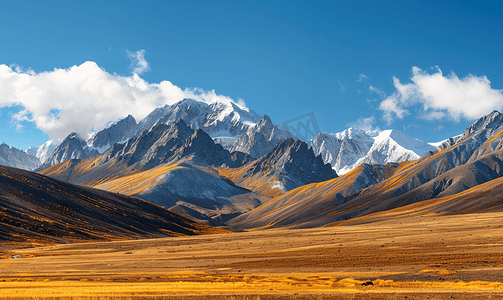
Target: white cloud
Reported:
point(86, 96)
point(138, 61)
point(361, 77)
point(342, 86)
point(380, 92)
point(442, 97)
point(366, 124)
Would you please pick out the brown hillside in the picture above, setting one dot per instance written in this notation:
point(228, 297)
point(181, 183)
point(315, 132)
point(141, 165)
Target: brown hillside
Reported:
point(35, 209)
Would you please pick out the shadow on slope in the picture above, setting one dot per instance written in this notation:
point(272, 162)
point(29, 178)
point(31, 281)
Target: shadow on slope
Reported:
point(37, 209)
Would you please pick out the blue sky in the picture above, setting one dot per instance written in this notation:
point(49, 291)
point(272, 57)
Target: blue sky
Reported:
point(349, 62)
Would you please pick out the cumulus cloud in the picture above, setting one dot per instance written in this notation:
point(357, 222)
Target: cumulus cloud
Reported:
point(442, 97)
point(84, 97)
point(366, 124)
point(138, 61)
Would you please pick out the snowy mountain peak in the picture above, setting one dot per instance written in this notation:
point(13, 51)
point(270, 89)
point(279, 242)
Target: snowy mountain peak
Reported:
point(264, 123)
point(348, 149)
point(491, 120)
point(354, 134)
point(42, 152)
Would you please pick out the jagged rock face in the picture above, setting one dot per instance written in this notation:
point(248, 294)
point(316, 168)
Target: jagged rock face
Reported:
point(293, 158)
point(151, 147)
point(260, 139)
point(115, 133)
point(72, 147)
point(12, 157)
point(203, 151)
point(352, 147)
point(42, 152)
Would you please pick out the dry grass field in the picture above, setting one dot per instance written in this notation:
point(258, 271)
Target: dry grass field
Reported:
point(418, 257)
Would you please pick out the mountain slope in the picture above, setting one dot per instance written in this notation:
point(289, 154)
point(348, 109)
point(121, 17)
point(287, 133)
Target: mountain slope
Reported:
point(482, 198)
point(72, 147)
point(13, 157)
point(162, 144)
point(188, 190)
point(476, 158)
point(223, 121)
point(160, 165)
point(114, 133)
point(38, 209)
point(289, 165)
point(346, 150)
point(309, 204)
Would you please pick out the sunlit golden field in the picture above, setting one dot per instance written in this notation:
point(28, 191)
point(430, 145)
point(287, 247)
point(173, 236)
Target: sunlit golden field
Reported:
point(433, 257)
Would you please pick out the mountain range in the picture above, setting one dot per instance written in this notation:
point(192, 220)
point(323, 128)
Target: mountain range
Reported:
point(240, 129)
point(177, 167)
point(224, 165)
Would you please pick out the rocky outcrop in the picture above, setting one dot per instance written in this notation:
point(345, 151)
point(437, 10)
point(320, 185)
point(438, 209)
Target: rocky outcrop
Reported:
point(114, 133)
point(15, 158)
point(293, 159)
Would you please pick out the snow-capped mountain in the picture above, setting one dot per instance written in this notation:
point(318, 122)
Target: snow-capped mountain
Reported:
point(15, 158)
point(223, 121)
point(260, 139)
point(348, 149)
point(42, 152)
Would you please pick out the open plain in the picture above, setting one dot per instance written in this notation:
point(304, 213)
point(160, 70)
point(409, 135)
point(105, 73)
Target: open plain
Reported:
point(418, 257)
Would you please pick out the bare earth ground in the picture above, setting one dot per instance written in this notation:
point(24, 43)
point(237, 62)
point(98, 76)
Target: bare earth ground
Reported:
point(430, 257)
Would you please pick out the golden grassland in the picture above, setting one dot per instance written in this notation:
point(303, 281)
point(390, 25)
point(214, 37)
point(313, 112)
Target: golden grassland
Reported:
point(421, 257)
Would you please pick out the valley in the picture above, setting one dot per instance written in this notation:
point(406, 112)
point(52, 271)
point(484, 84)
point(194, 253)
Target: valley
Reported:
point(435, 256)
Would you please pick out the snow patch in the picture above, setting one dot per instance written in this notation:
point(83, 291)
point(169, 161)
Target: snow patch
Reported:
point(279, 185)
